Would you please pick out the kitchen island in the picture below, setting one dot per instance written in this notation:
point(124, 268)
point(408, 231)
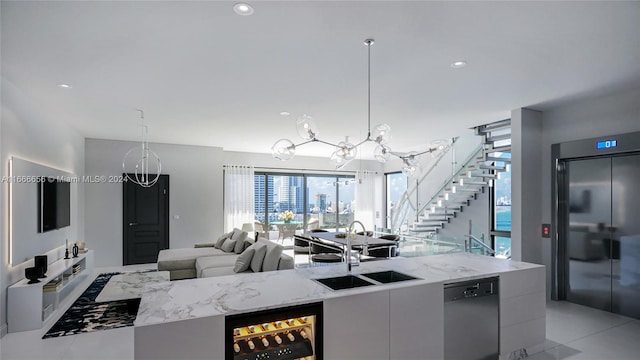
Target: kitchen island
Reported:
point(404, 320)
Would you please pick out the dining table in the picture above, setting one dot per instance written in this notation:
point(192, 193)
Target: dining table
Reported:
point(356, 240)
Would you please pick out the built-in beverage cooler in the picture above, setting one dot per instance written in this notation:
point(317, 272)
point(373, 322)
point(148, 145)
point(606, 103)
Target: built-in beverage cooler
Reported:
point(280, 334)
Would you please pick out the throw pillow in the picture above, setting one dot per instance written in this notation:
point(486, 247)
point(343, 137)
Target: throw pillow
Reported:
point(221, 240)
point(239, 236)
point(244, 261)
point(258, 256)
point(247, 243)
point(272, 256)
point(228, 245)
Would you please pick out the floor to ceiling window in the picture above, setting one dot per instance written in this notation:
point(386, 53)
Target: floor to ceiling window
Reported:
point(501, 210)
point(317, 201)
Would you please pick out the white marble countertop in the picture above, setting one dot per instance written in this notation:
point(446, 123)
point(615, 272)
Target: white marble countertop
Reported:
point(129, 285)
point(195, 298)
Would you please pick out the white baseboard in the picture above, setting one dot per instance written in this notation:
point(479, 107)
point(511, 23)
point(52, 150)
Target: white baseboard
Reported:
point(3, 330)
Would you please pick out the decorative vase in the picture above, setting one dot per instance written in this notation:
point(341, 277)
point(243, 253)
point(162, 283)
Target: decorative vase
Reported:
point(32, 274)
point(287, 221)
point(75, 250)
point(40, 263)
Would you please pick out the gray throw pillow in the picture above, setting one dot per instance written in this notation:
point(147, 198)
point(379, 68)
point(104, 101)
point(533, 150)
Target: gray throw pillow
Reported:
point(239, 236)
point(244, 261)
point(221, 240)
point(228, 245)
point(258, 256)
point(272, 257)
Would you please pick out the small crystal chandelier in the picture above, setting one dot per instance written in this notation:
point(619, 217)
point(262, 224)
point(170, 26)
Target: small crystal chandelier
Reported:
point(345, 151)
point(146, 173)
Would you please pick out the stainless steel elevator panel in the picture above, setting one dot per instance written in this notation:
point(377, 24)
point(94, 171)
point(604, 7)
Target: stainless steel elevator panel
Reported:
point(602, 230)
point(625, 244)
point(588, 235)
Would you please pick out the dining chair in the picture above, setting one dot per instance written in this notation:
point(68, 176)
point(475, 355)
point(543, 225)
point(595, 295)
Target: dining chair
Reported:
point(286, 231)
point(260, 230)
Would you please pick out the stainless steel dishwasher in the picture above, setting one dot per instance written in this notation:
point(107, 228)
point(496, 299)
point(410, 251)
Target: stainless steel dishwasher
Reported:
point(471, 320)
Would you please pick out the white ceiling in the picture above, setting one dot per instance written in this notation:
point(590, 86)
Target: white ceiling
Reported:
point(206, 76)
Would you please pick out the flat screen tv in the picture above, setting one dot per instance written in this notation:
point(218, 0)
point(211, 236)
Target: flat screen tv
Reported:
point(54, 205)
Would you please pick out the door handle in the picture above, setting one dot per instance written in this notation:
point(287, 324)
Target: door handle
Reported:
point(132, 224)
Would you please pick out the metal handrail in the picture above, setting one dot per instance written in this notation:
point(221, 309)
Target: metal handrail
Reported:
point(401, 215)
point(466, 162)
point(484, 246)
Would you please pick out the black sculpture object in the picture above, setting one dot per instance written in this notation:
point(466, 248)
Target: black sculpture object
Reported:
point(75, 250)
point(32, 274)
point(66, 250)
point(40, 263)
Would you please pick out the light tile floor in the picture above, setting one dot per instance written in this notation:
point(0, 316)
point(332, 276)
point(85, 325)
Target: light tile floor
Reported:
point(573, 332)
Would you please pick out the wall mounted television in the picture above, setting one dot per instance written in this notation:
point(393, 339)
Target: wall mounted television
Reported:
point(54, 205)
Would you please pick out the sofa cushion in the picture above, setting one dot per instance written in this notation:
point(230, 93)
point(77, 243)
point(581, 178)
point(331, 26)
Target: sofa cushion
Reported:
point(244, 261)
point(286, 262)
point(228, 245)
point(184, 258)
point(208, 262)
point(221, 240)
point(272, 256)
point(258, 256)
point(218, 271)
point(239, 236)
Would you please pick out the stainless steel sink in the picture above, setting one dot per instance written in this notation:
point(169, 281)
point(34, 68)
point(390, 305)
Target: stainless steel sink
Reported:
point(390, 276)
point(344, 282)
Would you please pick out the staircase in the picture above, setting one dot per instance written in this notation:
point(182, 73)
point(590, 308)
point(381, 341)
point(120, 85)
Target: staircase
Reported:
point(458, 191)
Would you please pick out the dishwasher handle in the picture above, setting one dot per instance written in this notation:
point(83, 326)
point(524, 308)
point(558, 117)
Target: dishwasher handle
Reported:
point(470, 289)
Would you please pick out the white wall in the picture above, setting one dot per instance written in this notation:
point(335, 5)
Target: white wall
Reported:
point(40, 137)
point(614, 113)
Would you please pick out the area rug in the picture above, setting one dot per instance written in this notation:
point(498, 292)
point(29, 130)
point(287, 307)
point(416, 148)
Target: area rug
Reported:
point(86, 315)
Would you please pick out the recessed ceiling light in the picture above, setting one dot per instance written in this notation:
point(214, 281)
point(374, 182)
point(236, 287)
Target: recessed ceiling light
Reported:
point(243, 9)
point(458, 64)
point(285, 113)
point(64, 86)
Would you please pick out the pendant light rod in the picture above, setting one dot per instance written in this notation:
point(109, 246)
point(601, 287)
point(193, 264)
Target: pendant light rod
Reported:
point(368, 42)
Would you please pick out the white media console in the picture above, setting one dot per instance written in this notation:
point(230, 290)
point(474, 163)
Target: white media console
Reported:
point(29, 306)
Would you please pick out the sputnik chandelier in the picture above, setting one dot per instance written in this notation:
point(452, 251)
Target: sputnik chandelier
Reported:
point(345, 151)
point(146, 173)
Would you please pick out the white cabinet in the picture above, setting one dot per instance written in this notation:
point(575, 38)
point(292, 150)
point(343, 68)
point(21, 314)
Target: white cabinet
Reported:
point(29, 305)
point(522, 309)
point(416, 322)
point(357, 327)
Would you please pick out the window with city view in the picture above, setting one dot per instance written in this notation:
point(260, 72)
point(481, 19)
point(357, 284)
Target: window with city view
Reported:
point(317, 201)
point(501, 211)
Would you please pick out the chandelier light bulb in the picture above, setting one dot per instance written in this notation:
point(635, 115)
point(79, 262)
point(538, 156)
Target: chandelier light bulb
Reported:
point(306, 127)
point(346, 150)
point(382, 153)
point(382, 134)
point(438, 146)
point(283, 150)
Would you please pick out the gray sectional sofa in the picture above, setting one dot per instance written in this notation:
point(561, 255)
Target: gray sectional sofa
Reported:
point(232, 253)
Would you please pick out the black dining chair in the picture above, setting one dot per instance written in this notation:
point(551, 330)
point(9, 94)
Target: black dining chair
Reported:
point(386, 250)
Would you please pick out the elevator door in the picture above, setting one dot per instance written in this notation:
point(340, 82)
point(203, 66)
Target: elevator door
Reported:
point(603, 233)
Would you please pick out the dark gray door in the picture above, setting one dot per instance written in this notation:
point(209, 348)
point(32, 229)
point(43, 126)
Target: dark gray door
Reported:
point(625, 239)
point(145, 221)
point(589, 221)
point(603, 233)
